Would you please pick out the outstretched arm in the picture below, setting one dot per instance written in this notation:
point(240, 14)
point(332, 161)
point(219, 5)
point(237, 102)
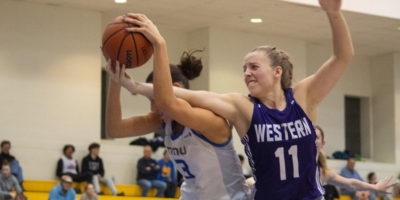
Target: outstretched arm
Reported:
point(116, 127)
point(357, 185)
point(318, 85)
point(164, 96)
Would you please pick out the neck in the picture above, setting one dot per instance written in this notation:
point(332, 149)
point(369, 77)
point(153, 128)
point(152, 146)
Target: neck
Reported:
point(274, 99)
point(93, 156)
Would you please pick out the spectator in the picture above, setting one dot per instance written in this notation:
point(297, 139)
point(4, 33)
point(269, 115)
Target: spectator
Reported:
point(63, 191)
point(67, 165)
point(8, 182)
point(246, 172)
point(93, 164)
point(5, 155)
point(350, 172)
point(372, 180)
point(90, 193)
point(147, 174)
point(167, 174)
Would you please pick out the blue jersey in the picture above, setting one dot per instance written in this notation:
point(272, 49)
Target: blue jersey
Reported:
point(281, 149)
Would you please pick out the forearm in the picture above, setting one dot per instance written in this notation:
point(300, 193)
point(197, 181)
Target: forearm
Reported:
point(113, 109)
point(342, 43)
point(360, 185)
point(163, 92)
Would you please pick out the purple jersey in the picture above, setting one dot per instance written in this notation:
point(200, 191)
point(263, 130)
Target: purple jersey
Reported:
point(281, 149)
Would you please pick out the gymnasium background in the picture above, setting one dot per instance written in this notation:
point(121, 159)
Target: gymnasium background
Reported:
point(50, 80)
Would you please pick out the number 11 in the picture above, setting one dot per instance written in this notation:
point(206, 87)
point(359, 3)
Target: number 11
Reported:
point(279, 153)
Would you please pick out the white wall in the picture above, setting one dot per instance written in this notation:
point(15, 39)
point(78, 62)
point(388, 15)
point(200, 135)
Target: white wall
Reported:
point(49, 80)
point(396, 75)
point(382, 69)
point(354, 82)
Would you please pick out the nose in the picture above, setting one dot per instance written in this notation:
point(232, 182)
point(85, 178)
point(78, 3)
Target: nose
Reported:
point(247, 71)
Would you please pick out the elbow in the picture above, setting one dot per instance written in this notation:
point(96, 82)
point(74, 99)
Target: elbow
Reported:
point(346, 56)
point(163, 103)
point(111, 130)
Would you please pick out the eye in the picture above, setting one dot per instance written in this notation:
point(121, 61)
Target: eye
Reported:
point(253, 66)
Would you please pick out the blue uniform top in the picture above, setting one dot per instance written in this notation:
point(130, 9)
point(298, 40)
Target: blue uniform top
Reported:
point(280, 146)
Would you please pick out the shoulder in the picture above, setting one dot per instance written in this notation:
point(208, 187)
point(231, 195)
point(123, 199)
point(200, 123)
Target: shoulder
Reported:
point(86, 158)
point(14, 179)
point(72, 192)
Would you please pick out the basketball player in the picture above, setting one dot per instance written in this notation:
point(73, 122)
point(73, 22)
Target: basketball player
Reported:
point(275, 122)
point(198, 141)
point(328, 176)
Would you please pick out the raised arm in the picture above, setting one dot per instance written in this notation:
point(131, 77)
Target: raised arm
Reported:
point(318, 85)
point(116, 127)
point(356, 185)
point(164, 97)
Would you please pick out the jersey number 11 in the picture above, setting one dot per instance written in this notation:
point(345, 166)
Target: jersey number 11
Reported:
point(280, 154)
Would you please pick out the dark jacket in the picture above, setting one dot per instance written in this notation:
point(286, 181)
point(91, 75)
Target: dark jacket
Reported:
point(143, 173)
point(95, 166)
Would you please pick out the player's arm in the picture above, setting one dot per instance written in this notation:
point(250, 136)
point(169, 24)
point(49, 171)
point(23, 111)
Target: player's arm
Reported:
point(116, 127)
point(318, 85)
point(198, 119)
point(357, 185)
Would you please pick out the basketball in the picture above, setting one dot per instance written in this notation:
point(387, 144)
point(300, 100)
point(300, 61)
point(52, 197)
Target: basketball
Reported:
point(129, 48)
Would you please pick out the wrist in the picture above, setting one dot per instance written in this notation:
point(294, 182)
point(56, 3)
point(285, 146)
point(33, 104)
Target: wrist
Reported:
point(159, 43)
point(333, 13)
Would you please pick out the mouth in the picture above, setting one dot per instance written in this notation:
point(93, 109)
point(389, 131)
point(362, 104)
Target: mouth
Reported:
point(250, 82)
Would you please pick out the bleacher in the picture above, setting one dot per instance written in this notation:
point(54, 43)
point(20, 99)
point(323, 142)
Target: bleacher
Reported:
point(39, 190)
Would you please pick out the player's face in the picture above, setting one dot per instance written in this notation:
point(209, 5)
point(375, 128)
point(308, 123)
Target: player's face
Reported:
point(319, 141)
point(259, 76)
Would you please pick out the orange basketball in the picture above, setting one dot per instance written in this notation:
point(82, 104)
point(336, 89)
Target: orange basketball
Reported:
point(130, 49)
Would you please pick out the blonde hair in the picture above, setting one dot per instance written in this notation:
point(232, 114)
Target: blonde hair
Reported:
point(279, 58)
point(322, 163)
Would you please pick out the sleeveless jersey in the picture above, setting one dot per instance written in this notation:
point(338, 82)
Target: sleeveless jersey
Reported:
point(211, 171)
point(282, 153)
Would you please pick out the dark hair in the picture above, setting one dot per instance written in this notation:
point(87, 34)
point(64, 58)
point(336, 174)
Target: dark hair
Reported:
point(4, 142)
point(94, 145)
point(279, 58)
point(68, 146)
point(188, 69)
point(370, 175)
point(6, 163)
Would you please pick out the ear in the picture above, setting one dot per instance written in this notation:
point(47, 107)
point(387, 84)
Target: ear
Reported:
point(177, 84)
point(278, 71)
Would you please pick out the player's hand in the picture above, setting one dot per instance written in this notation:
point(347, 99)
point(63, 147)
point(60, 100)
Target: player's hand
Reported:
point(383, 185)
point(148, 168)
point(117, 74)
point(145, 26)
point(331, 6)
point(157, 167)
